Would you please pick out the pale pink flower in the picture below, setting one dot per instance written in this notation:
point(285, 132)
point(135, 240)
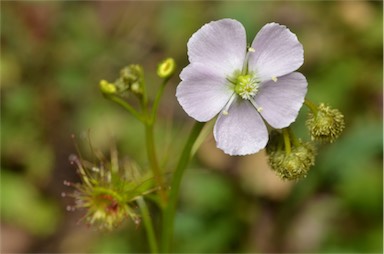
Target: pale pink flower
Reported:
point(243, 86)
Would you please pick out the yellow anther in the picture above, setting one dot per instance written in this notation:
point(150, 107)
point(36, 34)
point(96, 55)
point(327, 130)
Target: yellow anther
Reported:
point(274, 78)
point(259, 109)
point(250, 49)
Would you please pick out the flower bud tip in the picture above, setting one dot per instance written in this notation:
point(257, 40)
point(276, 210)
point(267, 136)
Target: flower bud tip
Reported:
point(106, 87)
point(166, 68)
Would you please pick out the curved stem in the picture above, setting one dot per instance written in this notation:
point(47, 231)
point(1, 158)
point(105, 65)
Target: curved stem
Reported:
point(148, 225)
point(295, 141)
point(157, 100)
point(126, 106)
point(312, 106)
point(169, 213)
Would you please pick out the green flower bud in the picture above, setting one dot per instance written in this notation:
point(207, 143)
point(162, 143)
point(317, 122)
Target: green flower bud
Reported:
point(293, 165)
point(131, 79)
point(106, 87)
point(325, 124)
point(166, 68)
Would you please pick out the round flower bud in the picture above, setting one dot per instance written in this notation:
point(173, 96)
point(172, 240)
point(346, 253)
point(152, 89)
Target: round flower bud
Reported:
point(106, 87)
point(294, 165)
point(166, 68)
point(326, 124)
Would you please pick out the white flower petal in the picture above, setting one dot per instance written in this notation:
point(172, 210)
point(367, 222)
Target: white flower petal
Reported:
point(242, 131)
point(281, 100)
point(277, 52)
point(202, 93)
point(219, 44)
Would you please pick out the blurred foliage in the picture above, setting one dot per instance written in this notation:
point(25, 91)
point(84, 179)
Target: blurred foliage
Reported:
point(53, 54)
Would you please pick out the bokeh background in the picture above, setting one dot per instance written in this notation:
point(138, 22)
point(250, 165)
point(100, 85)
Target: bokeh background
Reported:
point(53, 54)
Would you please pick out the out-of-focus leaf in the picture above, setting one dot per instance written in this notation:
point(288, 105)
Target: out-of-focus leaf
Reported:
point(357, 147)
point(22, 204)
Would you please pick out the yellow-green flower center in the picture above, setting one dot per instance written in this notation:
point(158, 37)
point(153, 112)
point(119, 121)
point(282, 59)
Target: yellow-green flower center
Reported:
point(246, 86)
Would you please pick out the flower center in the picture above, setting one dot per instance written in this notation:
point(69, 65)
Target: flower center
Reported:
point(246, 86)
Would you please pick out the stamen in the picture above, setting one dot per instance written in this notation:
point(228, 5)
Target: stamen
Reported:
point(244, 70)
point(274, 78)
point(257, 107)
point(229, 103)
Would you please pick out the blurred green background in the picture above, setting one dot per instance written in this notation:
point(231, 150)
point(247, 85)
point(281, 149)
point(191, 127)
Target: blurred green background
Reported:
point(53, 55)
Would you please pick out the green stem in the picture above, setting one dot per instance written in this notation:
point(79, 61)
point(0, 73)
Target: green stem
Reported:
point(144, 100)
point(169, 212)
point(148, 225)
point(287, 141)
point(126, 106)
point(150, 144)
point(152, 158)
point(295, 141)
point(157, 100)
point(312, 106)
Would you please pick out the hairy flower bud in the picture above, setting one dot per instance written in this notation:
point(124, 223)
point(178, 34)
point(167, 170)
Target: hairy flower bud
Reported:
point(294, 165)
point(166, 68)
point(289, 157)
point(325, 124)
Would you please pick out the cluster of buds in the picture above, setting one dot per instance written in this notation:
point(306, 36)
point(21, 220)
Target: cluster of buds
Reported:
point(108, 192)
point(289, 157)
point(129, 81)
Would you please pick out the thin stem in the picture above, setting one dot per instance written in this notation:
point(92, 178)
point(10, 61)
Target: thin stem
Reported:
point(126, 106)
point(152, 158)
point(296, 142)
point(144, 100)
point(150, 144)
point(287, 141)
point(148, 225)
point(312, 106)
point(169, 213)
point(157, 100)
